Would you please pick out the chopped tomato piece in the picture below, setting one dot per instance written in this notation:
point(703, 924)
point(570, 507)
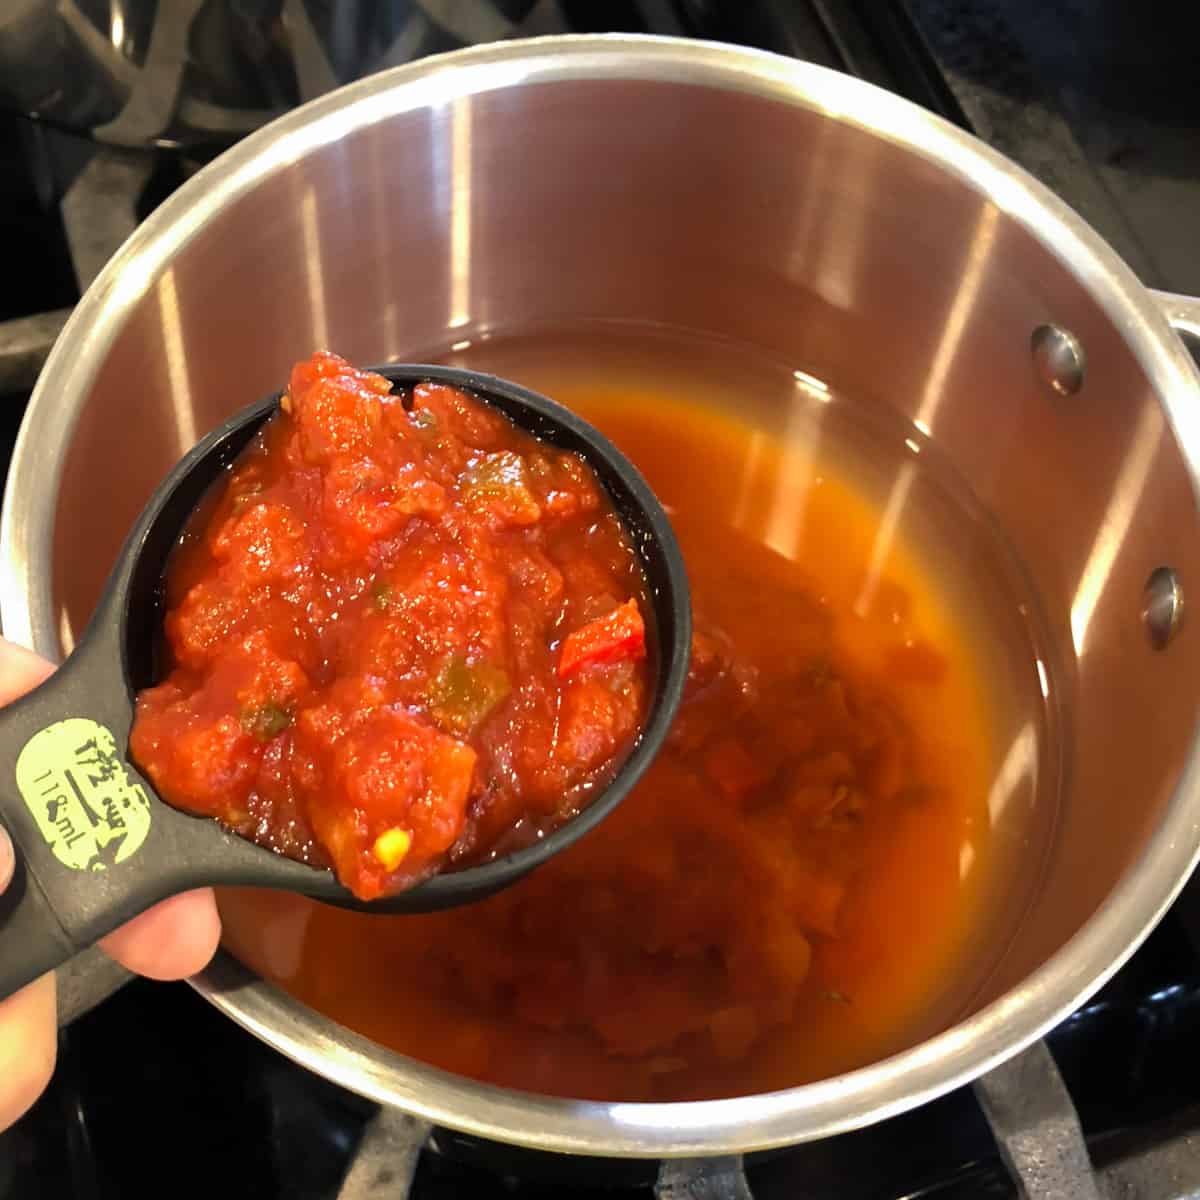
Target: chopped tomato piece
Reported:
point(618, 637)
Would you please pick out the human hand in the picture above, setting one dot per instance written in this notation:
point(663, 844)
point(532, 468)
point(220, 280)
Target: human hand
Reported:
point(170, 940)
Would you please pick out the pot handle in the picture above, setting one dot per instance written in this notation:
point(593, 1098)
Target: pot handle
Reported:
point(1184, 314)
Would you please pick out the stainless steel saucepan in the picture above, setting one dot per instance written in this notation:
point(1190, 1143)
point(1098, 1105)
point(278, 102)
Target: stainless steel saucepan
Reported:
point(741, 195)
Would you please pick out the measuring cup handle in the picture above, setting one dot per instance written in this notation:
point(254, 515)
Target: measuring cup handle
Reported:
point(78, 816)
point(32, 941)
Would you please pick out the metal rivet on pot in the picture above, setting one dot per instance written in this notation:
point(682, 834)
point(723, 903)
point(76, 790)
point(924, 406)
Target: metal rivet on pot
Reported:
point(1162, 606)
point(1058, 359)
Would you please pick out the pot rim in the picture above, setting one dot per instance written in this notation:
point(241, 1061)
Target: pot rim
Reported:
point(738, 1124)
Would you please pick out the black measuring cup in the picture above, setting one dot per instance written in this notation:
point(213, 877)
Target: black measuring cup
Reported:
point(96, 846)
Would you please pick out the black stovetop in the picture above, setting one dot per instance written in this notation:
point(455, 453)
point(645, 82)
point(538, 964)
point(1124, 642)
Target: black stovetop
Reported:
point(157, 1093)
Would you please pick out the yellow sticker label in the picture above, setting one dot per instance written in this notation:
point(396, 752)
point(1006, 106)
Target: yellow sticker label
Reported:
point(76, 785)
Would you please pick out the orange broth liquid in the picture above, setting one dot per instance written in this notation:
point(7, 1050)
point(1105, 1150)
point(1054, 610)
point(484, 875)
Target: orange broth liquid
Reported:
point(565, 985)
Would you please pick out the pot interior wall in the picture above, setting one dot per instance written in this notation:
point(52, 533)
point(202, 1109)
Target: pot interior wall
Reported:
point(735, 216)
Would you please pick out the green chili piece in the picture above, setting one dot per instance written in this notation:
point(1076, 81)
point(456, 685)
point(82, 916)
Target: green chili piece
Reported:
point(267, 721)
point(462, 694)
point(381, 594)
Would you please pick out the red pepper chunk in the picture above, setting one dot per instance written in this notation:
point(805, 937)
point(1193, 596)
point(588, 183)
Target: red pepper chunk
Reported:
point(618, 637)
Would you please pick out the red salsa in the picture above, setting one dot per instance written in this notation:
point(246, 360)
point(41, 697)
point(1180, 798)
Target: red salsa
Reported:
point(405, 635)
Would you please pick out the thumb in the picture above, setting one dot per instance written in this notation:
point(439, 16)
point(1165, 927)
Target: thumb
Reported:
point(7, 859)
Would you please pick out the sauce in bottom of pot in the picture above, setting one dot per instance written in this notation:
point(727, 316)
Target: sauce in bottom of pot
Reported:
point(795, 888)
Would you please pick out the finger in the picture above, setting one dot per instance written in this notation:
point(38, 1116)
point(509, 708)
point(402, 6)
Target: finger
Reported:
point(20, 670)
point(27, 1019)
point(28, 1042)
point(8, 860)
point(170, 940)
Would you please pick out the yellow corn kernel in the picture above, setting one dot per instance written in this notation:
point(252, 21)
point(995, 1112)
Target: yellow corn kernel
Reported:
point(391, 847)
